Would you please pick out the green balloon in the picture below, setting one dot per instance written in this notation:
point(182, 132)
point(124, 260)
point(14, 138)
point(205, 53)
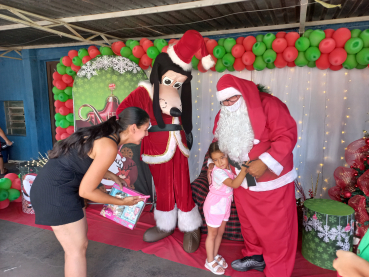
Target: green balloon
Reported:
point(354, 45)
point(153, 52)
point(231, 68)
point(362, 57)
point(316, 37)
point(82, 53)
point(126, 51)
point(365, 37)
point(3, 194)
point(70, 96)
point(312, 54)
point(195, 62)
point(133, 58)
point(5, 183)
point(259, 48)
point(355, 33)
point(307, 33)
point(133, 44)
point(59, 117)
point(62, 97)
point(259, 63)
point(270, 65)
point(269, 56)
point(221, 42)
point(302, 44)
point(301, 59)
point(57, 123)
point(64, 123)
point(106, 51)
point(68, 91)
point(350, 62)
point(161, 43)
point(360, 66)
point(156, 42)
point(77, 61)
point(219, 66)
point(69, 117)
point(228, 44)
point(101, 48)
point(228, 59)
point(56, 90)
point(219, 51)
point(56, 97)
point(311, 64)
point(60, 68)
point(61, 60)
point(128, 42)
point(13, 194)
point(70, 71)
point(268, 40)
point(259, 38)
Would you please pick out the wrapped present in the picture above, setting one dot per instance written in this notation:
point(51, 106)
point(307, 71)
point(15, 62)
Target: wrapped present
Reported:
point(328, 227)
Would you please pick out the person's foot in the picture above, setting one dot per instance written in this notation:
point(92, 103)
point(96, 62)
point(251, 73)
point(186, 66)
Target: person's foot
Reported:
point(191, 241)
point(5, 171)
point(248, 263)
point(155, 234)
point(9, 143)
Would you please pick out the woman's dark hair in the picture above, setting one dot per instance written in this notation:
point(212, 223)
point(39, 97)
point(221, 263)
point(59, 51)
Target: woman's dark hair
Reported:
point(84, 138)
point(214, 147)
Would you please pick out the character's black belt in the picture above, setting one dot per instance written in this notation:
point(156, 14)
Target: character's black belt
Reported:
point(167, 127)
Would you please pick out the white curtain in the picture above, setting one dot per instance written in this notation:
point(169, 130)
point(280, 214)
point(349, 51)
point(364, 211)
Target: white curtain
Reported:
point(330, 109)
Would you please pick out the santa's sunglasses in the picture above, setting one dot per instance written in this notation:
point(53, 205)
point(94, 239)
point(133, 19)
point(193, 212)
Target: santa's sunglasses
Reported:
point(230, 100)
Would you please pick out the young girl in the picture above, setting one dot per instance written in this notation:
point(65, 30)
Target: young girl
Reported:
point(217, 206)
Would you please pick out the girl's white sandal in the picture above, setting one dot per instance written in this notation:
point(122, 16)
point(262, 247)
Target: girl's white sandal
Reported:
point(213, 269)
point(222, 262)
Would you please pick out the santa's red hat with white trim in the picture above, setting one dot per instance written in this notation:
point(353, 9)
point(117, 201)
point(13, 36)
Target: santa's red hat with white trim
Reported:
point(229, 85)
point(182, 52)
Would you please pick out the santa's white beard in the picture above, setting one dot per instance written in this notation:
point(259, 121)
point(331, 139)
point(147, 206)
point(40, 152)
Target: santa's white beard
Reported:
point(234, 132)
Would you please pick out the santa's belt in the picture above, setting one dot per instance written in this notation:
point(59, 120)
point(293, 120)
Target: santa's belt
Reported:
point(167, 128)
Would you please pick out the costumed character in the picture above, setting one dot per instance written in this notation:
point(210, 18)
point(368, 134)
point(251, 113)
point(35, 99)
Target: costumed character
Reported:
point(165, 149)
point(257, 126)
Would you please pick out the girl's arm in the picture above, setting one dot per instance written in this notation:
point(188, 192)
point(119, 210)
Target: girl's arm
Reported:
point(236, 182)
point(104, 153)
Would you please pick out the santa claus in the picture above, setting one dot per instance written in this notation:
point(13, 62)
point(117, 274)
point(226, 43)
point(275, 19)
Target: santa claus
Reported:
point(166, 149)
point(256, 126)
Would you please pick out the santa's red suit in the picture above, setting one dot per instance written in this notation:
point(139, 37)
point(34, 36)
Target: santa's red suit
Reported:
point(166, 153)
point(267, 211)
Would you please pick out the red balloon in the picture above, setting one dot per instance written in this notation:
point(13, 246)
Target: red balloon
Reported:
point(67, 79)
point(198, 54)
point(11, 177)
point(4, 204)
point(71, 84)
point(164, 49)
point(328, 33)
point(16, 183)
point(60, 85)
point(93, 53)
point(335, 67)
point(19, 199)
point(85, 59)
point(146, 44)
point(240, 40)
point(143, 40)
point(64, 111)
point(338, 56)
point(138, 51)
point(57, 76)
point(290, 53)
point(280, 35)
point(64, 135)
point(58, 104)
point(144, 67)
point(69, 103)
point(210, 44)
point(145, 60)
point(75, 67)
point(248, 43)
point(248, 58)
point(92, 47)
point(70, 130)
point(59, 130)
point(279, 44)
point(279, 61)
point(215, 62)
point(201, 68)
point(54, 83)
point(238, 50)
point(327, 45)
point(250, 67)
point(291, 64)
point(291, 38)
point(206, 40)
point(72, 53)
point(58, 137)
point(116, 47)
point(67, 61)
point(341, 36)
point(56, 110)
point(172, 41)
point(323, 62)
point(238, 64)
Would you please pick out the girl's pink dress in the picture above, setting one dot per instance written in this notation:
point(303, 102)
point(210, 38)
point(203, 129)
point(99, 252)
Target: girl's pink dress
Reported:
point(217, 206)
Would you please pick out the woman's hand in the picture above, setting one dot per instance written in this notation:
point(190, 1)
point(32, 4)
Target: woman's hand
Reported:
point(131, 200)
point(210, 169)
point(348, 264)
point(119, 181)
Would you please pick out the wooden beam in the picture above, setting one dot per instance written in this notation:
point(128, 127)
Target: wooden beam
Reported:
point(303, 9)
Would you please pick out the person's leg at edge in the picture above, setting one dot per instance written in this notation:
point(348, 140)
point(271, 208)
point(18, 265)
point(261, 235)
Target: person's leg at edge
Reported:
point(73, 239)
point(2, 169)
point(218, 239)
point(210, 245)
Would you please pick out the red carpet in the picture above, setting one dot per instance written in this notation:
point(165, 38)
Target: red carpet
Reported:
point(106, 231)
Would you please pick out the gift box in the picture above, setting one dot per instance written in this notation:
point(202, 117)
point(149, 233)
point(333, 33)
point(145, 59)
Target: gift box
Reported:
point(328, 226)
